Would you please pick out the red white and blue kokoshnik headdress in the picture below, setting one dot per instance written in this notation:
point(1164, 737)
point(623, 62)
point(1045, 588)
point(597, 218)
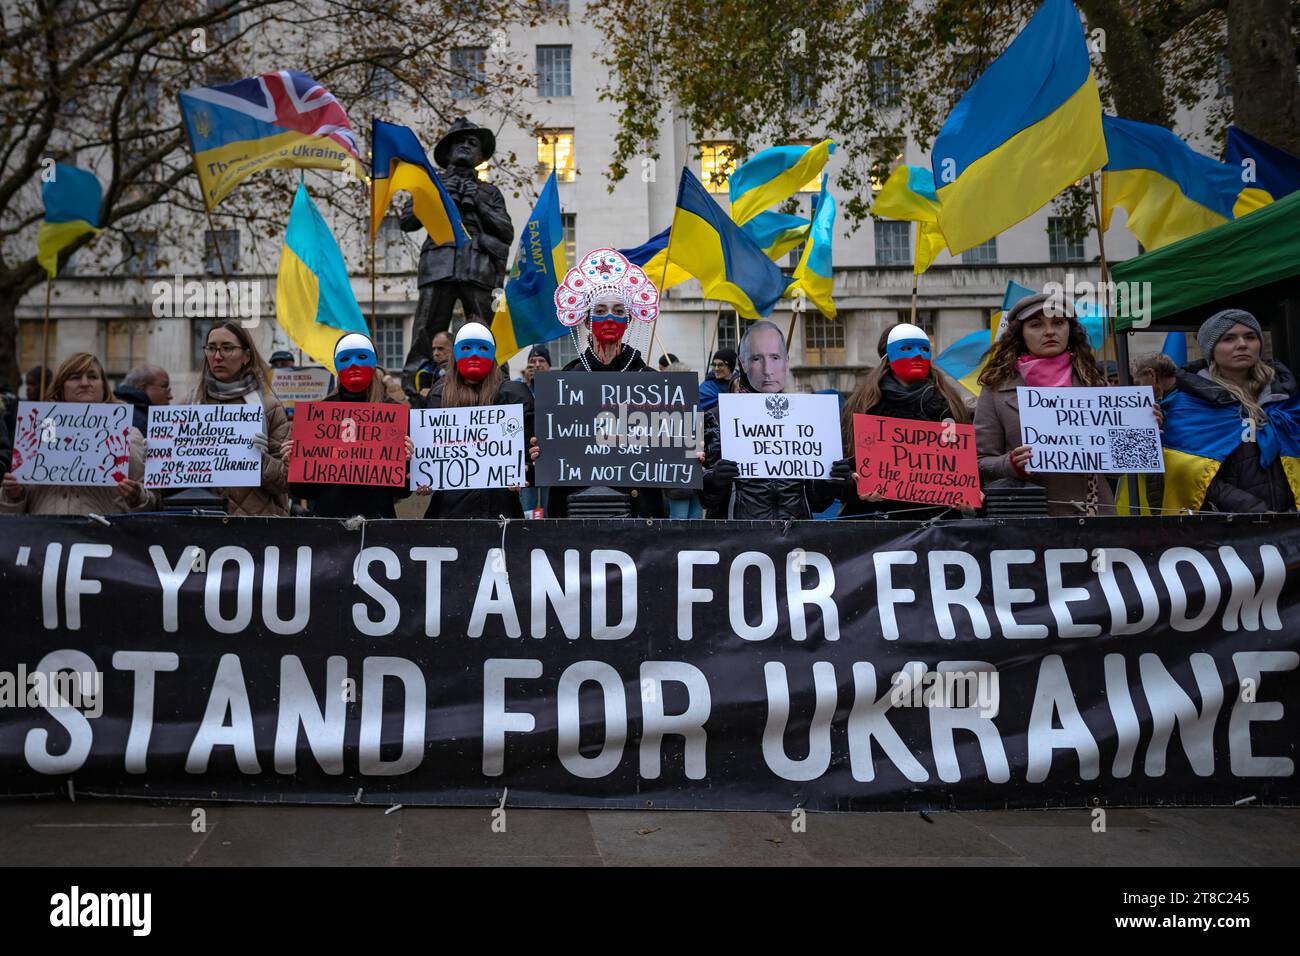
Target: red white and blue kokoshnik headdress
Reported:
point(606, 274)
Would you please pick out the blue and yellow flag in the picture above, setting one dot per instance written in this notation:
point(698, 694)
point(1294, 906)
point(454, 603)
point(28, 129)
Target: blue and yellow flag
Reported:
point(813, 276)
point(1198, 437)
point(281, 119)
point(314, 303)
point(1169, 190)
point(527, 317)
point(776, 233)
point(400, 163)
point(72, 201)
point(965, 359)
point(773, 176)
point(709, 246)
point(1274, 170)
point(1029, 127)
point(652, 257)
point(908, 194)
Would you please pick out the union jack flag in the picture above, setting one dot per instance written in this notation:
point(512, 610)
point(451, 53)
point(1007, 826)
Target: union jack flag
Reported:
point(288, 99)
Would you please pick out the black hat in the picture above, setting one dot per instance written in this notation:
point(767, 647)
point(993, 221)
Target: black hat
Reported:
point(487, 141)
point(541, 350)
point(667, 359)
point(726, 355)
point(280, 356)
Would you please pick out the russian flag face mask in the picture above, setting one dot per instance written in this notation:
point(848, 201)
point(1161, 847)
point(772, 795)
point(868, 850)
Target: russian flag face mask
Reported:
point(475, 352)
point(355, 361)
point(908, 352)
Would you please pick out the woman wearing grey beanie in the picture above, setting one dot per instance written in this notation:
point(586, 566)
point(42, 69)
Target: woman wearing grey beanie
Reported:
point(1231, 423)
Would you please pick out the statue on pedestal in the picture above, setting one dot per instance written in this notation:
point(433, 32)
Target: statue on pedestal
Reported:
point(471, 273)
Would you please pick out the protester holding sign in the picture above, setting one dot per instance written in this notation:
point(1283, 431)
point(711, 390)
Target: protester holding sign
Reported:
point(1044, 346)
point(473, 380)
point(906, 386)
point(233, 372)
point(763, 365)
point(359, 383)
point(80, 379)
point(1232, 427)
point(611, 298)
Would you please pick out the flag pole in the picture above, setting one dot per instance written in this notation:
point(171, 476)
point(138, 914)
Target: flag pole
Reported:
point(915, 277)
point(668, 251)
point(370, 227)
point(45, 337)
point(207, 208)
point(1107, 326)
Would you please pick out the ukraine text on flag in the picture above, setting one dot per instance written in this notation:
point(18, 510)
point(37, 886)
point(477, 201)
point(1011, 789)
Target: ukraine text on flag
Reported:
point(527, 315)
point(400, 163)
point(1029, 127)
point(281, 119)
point(314, 302)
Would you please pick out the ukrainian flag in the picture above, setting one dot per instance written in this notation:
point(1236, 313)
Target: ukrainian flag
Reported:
point(528, 314)
point(965, 359)
point(652, 257)
point(1169, 190)
point(72, 201)
point(1028, 128)
point(313, 296)
point(908, 194)
point(776, 233)
point(773, 176)
point(400, 163)
point(709, 246)
point(813, 276)
point(1276, 170)
point(1198, 437)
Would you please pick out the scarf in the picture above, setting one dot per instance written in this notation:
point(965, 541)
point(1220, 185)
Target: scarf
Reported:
point(919, 400)
point(1051, 372)
point(228, 391)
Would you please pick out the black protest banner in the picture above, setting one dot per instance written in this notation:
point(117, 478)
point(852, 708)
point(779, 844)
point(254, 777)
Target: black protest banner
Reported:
point(629, 428)
point(620, 663)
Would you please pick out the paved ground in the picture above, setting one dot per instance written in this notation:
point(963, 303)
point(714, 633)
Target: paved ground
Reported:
point(110, 833)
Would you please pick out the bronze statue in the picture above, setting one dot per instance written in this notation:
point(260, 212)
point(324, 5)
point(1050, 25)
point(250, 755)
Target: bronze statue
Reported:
point(473, 272)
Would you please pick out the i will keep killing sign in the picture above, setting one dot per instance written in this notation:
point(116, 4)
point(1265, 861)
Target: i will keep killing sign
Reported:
point(462, 448)
point(349, 443)
point(930, 463)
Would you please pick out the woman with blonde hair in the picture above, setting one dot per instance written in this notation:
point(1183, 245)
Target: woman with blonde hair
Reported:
point(81, 379)
point(1042, 346)
point(1232, 429)
point(234, 372)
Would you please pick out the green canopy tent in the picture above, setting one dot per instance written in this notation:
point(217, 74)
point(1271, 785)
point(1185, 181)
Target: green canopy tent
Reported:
point(1252, 263)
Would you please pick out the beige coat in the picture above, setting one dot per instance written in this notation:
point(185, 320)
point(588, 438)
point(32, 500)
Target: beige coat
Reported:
point(84, 499)
point(997, 432)
point(272, 497)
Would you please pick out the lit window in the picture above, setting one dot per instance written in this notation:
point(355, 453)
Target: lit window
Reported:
point(717, 160)
point(483, 171)
point(555, 151)
point(468, 71)
point(555, 71)
point(893, 243)
point(823, 339)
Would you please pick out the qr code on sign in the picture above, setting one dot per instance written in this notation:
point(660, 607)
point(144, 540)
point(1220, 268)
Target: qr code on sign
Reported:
point(1134, 449)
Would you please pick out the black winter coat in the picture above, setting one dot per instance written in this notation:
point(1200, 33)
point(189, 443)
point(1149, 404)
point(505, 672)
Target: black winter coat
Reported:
point(1242, 485)
point(645, 502)
point(139, 402)
point(767, 499)
point(347, 501)
point(481, 502)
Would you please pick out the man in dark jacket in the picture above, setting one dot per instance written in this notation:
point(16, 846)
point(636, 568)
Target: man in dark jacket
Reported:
point(763, 364)
point(471, 273)
point(145, 386)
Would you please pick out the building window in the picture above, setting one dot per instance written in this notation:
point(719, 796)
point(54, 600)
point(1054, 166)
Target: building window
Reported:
point(893, 243)
point(483, 171)
point(925, 321)
point(1223, 76)
point(1064, 239)
point(557, 7)
point(555, 152)
point(226, 241)
point(965, 71)
point(985, 254)
point(32, 347)
point(224, 30)
point(885, 86)
point(468, 71)
point(717, 160)
point(126, 345)
point(801, 90)
point(569, 222)
point(141, 253)
point(728, 331)
point(199, 329)
point(555, 71)
point(823, 339)
point(383, 84)
point(562, 350)
point(389, 347)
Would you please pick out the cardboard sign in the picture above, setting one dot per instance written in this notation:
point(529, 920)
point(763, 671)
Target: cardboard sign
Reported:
point(203, 446)
point(462, 448)
point(931, 463)
point(72, 443)
point(620, 429)
point(781, 435)
point(1087, 430)
point(349, 443)
point(293, 385)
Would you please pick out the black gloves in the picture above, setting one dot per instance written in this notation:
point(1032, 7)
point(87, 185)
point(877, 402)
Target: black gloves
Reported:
point(725, 470)
point(842, 470)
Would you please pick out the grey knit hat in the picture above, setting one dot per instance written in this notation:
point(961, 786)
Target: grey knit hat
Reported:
point(1213, 328)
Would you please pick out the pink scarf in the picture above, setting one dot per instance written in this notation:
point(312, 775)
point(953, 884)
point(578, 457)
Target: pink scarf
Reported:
point(1051, 372)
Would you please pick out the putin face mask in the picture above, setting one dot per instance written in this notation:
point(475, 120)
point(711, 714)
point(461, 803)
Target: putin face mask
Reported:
point(355, 362)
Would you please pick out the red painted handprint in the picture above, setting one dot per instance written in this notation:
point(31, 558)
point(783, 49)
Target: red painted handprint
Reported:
point(117, 454)
point(27, 438)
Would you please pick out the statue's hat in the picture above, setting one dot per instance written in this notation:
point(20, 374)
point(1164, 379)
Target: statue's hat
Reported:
point(462, 127)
